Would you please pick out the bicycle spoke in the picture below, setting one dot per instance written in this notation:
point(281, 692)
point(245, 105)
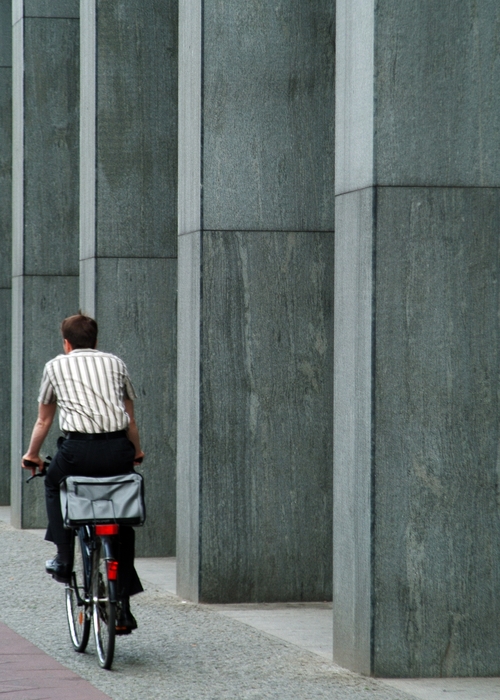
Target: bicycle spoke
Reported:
point(103, 611)
point(77, 604)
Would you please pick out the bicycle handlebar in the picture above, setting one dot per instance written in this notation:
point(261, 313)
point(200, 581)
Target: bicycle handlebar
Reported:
point(43, 472)
point(29, 463)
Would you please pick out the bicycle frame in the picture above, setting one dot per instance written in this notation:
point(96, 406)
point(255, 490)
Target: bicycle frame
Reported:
point(90, 537)
point(105, 534)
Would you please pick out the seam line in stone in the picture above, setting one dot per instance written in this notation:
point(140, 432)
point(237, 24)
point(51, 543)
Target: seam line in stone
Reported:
point(47, 17)
point(420, 187)
point(130, 257)
point(254, 230)
point(30, 274)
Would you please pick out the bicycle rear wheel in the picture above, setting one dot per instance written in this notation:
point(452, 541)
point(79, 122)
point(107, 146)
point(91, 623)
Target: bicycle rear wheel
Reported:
point(104, 609)
point(77, 602)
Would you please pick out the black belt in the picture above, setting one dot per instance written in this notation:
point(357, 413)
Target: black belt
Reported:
point(96, 436)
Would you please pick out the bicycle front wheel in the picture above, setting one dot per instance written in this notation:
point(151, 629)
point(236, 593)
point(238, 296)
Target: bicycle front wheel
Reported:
point(77, 602)
point(104, 610)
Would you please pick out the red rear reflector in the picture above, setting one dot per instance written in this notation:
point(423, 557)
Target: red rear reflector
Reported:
point(112, 570)
point(106, 529)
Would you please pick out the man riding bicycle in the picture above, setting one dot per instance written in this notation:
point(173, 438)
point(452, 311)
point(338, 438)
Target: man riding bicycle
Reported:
point(96, 414)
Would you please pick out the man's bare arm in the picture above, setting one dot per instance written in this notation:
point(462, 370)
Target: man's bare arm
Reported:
point(46, 413)
point(133, 432)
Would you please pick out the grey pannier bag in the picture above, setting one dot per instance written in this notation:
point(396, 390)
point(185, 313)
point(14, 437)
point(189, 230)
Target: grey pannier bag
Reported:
point(105, 499)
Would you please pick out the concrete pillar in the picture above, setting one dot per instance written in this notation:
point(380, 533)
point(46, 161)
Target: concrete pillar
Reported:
point(256, 108)
point(128, 221)
point(45, 214)
point(5, 238)
point(416, 517)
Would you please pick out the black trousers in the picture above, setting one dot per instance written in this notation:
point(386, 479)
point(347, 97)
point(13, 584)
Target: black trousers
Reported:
point(106, 457)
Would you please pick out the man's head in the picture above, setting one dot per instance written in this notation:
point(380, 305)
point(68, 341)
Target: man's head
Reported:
point(80, 331)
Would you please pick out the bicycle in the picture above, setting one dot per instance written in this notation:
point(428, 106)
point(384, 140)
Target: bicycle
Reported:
point(91, 592)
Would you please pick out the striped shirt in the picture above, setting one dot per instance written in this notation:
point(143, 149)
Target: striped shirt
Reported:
point(89, 387)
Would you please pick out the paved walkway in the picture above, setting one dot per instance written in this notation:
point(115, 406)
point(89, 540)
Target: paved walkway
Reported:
point(27, 673)
point(180, 650)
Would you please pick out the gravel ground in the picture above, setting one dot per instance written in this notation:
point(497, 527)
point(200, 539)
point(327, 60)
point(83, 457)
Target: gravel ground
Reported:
point(179, 651)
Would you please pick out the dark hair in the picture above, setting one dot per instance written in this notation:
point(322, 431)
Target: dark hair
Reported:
point(80, 331)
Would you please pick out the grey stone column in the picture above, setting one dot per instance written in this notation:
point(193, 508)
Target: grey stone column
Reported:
point(128, 222)
point(45, 214)
point(256, 103)
point(5, 237)
point(416, 415)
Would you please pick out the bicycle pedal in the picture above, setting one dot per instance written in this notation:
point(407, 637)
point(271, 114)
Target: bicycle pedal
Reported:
point(123, 630)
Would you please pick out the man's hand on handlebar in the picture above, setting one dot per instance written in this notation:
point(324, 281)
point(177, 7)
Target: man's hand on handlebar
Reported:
point(34, 465)
point(32, 462)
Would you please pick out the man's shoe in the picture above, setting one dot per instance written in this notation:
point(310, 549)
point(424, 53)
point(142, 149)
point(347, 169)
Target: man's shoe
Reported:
point(60, 572)
point(125, 621)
